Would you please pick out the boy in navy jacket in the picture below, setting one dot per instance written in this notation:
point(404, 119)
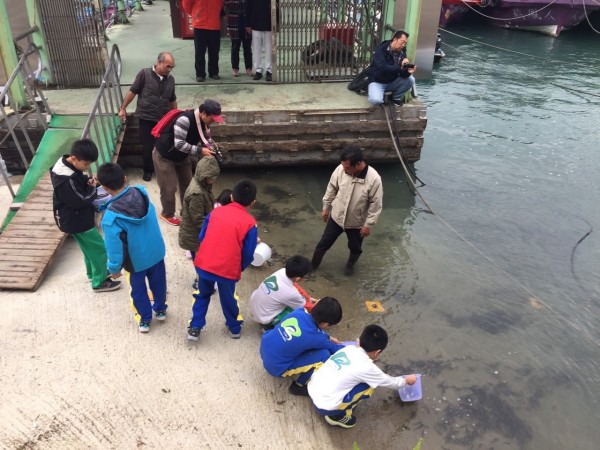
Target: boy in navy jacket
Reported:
point(298, 344)
point(74, 212)
point(227, 243)
point(134, 243)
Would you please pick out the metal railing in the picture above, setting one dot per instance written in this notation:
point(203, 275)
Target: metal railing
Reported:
point(14, 120)
point(103, 125)
point(321, 40)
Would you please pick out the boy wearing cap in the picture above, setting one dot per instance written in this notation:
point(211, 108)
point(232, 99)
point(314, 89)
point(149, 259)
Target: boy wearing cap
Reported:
point(188, 134)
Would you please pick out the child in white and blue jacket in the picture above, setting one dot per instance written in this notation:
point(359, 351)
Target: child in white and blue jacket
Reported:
point(134, 242)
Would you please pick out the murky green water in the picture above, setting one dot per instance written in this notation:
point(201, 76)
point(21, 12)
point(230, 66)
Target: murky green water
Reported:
point(508, 342)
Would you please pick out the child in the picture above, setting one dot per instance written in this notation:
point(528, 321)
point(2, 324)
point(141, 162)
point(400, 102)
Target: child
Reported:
point(298, 344)
point(277, 295)
point(224, 198)
point(227, 244)
point(198, 201)
point(350, 376)
point(134, 243)
point(74, 212)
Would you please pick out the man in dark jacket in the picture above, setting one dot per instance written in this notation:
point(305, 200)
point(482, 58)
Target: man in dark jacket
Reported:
point(74, 212)
point(155, 88)
point(391, 70)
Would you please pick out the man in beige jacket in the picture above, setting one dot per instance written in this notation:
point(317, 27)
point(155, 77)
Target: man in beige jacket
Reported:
point(354, 195)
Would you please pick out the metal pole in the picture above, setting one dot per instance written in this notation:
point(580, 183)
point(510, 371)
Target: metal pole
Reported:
point(9, 58)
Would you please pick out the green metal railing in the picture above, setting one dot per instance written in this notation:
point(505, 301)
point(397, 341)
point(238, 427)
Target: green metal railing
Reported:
point(11, 121)
point(103, 124)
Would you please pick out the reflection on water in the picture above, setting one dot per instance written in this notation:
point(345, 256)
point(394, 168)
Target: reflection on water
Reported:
point(509, 350)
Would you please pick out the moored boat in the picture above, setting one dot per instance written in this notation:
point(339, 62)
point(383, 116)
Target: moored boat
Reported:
point(454, 10)
point(547, 17)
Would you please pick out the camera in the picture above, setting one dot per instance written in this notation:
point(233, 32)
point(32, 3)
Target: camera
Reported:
point(218, 155)
point(409, 66)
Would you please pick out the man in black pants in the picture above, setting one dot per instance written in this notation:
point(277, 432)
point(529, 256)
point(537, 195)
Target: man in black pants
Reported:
point(155, 88)
point(354, 195)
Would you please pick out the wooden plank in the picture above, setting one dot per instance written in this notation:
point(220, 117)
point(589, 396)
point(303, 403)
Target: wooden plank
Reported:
point(32, 239)
point(33, 242)
point(5, 252)
point(24, 232)
point(42, 206)
point(20, 267)
point(26, 258)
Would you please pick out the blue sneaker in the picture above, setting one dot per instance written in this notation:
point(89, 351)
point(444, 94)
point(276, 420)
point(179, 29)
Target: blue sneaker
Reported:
point(160, 315)
point(144, 327)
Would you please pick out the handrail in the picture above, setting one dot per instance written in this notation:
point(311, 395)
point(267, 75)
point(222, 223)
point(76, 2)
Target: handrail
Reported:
point(30, 92)
point(100, 125)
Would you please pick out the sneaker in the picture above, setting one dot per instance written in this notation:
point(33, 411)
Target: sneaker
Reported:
point(193, 333)
point(233, 335)
point(195, 284)
point(235, 72)
point(160, 315)
point(215, 77)
point(175, 221)
point(147, 176)
point(297, 389)
point(344, 421)
point(108, 285)
point(200, 79)
point(144, 327)
point(257, 76)
point(249, 72)
point(269, 76)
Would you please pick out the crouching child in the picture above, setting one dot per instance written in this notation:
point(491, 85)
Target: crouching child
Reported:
point(279, 294)
point(134, 243)
point(350, 376)
point(298, 344)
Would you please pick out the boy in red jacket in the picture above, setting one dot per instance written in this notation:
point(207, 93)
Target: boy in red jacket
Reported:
point(227, 243)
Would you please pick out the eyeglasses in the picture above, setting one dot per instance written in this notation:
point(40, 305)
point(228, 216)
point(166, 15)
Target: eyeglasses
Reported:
point(169, 67)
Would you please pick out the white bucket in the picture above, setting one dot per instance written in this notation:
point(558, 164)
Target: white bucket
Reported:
point(261, 254)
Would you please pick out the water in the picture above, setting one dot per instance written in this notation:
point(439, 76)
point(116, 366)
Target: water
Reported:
point(508, 343)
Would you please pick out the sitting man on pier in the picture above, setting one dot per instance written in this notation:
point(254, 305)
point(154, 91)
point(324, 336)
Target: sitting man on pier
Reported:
point(391, 70)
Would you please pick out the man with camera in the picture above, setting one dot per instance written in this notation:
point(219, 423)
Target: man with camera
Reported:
point(188, 134)
point(391, 71)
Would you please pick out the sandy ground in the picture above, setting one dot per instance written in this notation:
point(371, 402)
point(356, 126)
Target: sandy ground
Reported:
point(76, 373)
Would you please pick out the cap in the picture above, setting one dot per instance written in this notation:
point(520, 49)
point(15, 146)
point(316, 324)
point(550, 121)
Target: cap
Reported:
point(214, 109)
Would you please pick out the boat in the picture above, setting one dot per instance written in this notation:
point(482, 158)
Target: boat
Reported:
point(546, 17)
point(454, 10)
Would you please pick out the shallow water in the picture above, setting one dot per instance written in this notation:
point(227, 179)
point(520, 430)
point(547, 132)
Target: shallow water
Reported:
point(493, 304)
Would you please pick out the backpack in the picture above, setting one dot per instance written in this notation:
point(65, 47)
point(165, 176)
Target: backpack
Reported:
point(165, 122)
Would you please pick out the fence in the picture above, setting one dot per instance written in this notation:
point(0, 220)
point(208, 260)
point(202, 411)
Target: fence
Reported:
point(13, 120)
point(103, 124)
point(325, 40)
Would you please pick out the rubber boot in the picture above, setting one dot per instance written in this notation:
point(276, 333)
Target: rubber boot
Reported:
point(349, 269)
point(317, 258)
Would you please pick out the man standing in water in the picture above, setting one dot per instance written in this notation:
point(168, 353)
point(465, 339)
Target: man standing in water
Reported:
point(354, 195)
point(155, 88)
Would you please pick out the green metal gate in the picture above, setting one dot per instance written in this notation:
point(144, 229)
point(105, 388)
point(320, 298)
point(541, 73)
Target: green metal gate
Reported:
point(74, 34)
point(319, 40)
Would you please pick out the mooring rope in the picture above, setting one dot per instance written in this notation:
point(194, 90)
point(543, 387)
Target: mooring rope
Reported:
point(534, 297)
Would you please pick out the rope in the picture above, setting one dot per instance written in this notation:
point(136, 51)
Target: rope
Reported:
point(587, 17)
point(414, 188)
point(512, 18)
point(523, 73)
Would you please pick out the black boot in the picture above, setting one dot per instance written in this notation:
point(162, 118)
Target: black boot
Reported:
point(317, 258)
point(349, 269)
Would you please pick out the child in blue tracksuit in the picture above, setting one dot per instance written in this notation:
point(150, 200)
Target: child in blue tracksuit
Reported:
point(134, 243)
point(227, 243)
point(298, 344)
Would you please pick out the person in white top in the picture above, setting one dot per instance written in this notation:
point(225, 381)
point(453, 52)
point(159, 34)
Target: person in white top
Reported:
point(350, 376)
point(279, 294)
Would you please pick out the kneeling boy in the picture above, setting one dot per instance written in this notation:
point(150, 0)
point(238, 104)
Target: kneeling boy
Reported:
point(298, 345)
point(134, 243)
point(350, 376)
point(278, 295)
